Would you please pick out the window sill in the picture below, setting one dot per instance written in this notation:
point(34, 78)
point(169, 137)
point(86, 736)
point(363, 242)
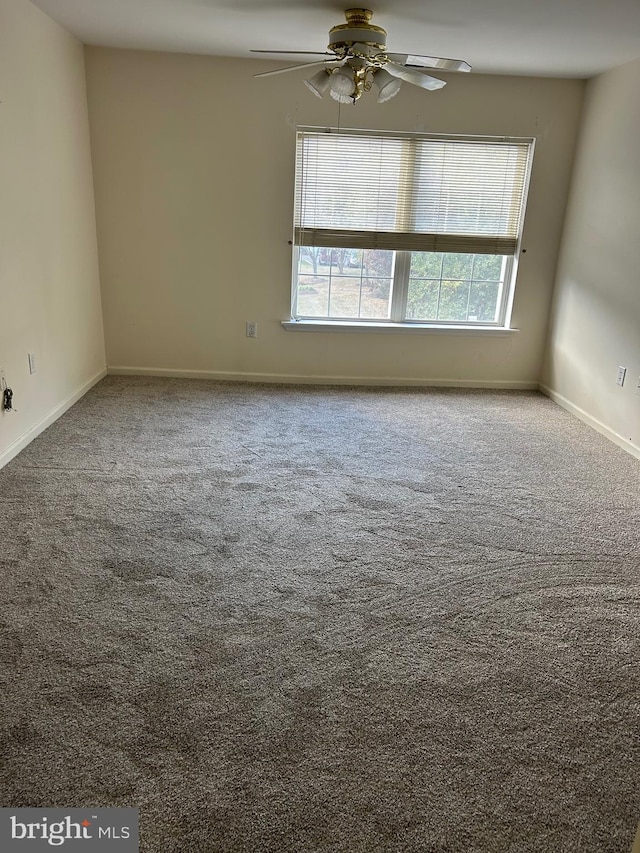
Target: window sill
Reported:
point(399, 328)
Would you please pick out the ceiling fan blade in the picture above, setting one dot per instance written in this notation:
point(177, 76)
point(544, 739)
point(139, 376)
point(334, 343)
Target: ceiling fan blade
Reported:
point(430, 62)
point(292, 68)
point(297, 52)
point(415, 77)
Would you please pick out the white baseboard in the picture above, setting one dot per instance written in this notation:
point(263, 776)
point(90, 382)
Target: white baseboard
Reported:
point(588, 419)
point(34, 431)
point(298, 379)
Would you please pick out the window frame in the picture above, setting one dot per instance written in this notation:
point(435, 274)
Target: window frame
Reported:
point(400, 278)
point(399, 294)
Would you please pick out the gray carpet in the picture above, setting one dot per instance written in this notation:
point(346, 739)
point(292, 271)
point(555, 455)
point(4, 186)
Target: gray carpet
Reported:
point(324, 619)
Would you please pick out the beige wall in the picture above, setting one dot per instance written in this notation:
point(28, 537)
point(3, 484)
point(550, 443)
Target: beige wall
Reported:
point(49, 285)
point(193, 163)
point(595, 323)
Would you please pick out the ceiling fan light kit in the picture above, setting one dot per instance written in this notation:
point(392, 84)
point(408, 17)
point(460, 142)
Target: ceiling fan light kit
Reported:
point(319, 83)
point(386, 85)
point(348, 83)
point(358, 59)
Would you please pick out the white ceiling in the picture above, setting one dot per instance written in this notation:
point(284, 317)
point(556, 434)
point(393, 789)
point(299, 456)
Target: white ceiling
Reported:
point(563, 38)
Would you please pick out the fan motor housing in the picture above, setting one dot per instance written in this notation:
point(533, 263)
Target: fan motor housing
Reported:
point(357, 30)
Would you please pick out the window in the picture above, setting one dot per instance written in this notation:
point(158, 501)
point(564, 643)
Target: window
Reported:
point(400, 228)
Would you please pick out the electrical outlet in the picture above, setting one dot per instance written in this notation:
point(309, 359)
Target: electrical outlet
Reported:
point(252, 329)
point(622, 372)
point(32, 362)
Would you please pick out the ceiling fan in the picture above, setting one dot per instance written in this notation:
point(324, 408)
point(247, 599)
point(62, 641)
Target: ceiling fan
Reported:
point(358, 59)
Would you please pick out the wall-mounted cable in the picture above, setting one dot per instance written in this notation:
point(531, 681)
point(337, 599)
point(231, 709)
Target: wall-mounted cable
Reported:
point(7, 397)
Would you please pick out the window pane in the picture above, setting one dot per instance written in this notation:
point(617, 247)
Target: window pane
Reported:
point(457, 267)
point(378, 262)
point(422, 300)
point(376, 294)
point(454, 296)
point(345, 297)
point(344, 283)
point(487, 267)
point(314, 262)
point(426, 265)
point(345, 260)
point(455, 287)
point(313, 296)
point(483, 301)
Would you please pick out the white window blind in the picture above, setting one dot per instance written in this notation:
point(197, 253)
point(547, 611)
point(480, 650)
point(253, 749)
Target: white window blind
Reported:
point(424, 194)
